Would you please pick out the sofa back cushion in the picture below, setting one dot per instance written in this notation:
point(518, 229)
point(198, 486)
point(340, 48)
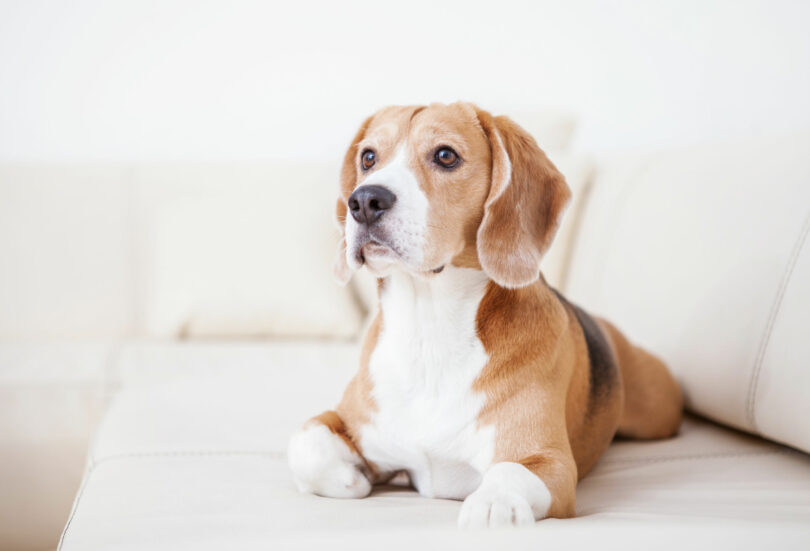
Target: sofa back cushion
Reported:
point(171, 250)
point(702, 256)
point(65, 242)
point(242, 251)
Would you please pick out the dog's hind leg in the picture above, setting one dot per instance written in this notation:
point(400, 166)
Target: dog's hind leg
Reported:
point(653, 404)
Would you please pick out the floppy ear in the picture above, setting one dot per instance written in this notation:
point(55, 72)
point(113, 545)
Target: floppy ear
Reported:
point(526, 200)
point(348, 180)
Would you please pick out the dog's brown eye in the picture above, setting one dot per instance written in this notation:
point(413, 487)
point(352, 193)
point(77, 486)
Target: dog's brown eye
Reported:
point(368, 159)
point(446, 157)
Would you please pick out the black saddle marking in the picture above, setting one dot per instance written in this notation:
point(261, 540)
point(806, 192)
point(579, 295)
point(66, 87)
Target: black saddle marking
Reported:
point(603, 368)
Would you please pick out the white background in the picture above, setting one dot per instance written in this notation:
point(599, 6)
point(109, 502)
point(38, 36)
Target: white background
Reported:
point(104, 80)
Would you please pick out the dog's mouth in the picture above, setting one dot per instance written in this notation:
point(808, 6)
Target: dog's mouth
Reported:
point(374, 249)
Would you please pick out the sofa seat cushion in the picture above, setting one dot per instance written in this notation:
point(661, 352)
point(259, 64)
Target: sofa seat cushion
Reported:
point(191, 456)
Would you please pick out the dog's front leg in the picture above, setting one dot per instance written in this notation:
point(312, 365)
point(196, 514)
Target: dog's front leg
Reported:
point(514, 493)
point(326, 462)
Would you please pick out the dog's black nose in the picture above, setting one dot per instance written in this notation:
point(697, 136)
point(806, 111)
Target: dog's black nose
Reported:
point(368, 203)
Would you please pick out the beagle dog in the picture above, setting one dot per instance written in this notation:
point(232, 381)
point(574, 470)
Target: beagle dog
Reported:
point(477, 379)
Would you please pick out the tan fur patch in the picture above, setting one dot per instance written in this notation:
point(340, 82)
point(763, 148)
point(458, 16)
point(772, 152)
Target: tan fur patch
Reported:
point(526, 382)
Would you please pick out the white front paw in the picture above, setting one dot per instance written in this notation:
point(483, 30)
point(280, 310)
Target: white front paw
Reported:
point(484, 509)
point(324, 465)
point(509, 495)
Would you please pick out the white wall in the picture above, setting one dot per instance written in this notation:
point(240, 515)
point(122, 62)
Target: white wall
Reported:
point(136, 80)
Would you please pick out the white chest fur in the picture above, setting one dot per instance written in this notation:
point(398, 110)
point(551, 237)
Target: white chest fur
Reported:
point(423, 366)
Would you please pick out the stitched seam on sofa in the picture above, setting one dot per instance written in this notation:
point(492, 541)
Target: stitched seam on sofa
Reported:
point(108, 389)
point(180, 454)
point(720, 455)
point(79, 495)
point(772, 317)
point(204, 453)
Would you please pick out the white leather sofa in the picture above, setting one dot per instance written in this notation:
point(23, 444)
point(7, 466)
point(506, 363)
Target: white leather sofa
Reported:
point(701, 255)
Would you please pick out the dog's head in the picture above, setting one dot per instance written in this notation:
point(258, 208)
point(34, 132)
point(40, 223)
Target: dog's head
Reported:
point(423, 187)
